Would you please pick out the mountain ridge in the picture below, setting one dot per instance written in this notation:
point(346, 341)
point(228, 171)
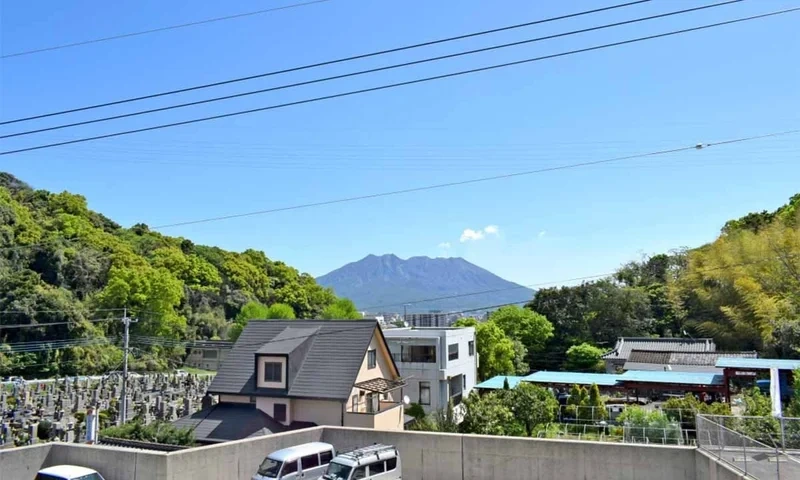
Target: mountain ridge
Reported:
point(386, 282)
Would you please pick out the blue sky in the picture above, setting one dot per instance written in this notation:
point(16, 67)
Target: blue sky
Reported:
point(705, 86)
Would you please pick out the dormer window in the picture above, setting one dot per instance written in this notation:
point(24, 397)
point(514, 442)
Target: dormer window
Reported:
point(273, 372)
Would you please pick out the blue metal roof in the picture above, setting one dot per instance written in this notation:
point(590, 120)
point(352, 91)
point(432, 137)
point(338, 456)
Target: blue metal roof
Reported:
point(496, 383)
point(573, 378)
point(757, 363)
point(678, 378)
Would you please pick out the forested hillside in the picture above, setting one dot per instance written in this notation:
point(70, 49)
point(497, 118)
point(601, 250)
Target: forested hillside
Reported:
point(69, 269)
point(743, 290)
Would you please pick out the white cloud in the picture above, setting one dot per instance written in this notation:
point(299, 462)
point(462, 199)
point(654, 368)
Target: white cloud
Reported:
point(470, 235)
point(542, 233)
point(444, 245)
point(492, 230)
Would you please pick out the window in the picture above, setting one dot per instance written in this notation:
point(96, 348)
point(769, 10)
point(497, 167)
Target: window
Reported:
point(279, 412)
point(372, 403)
point(325, 458)
point(472, 348)
point(372, 359)
point(270, 467)
point(376, 468)
point(310, 461)
point(418, 353)
point(252, 399)
point(452, 352)
point(273, 372)
point(425, 393)
point(463, 382)
point(289, 467)
point(354, 401)
point(361, 472)
point(391, 464)
point(209, 354)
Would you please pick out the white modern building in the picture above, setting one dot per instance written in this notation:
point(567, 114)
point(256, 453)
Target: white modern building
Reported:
point(439, 364)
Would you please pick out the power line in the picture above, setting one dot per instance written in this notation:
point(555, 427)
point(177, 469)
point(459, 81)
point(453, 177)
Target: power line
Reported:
point(51, 324)
point(449, 184)
point(325, 63)
point(395, 85)
point(73, 310)
point(161, 29)
point(472, 181)
point(461, 295)
point(361, 72)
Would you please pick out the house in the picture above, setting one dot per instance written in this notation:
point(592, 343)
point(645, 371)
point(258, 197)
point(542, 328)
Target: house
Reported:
point(440, 363)
point(680, 361)
point(616, 358)
point(287, 374)
point(207, 354)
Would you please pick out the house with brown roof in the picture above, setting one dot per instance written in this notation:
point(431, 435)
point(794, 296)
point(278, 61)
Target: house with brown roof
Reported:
point(288, 374)
point(681, 361)
point(616, 358)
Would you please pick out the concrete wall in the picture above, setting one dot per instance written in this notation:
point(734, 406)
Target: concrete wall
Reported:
point(112, 462)
point(708, 467)
point(423, 455)
point(233, 460)
point(473, 457)
point(23, 462)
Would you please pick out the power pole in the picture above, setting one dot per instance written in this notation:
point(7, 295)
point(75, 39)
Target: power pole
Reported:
point(124, 400)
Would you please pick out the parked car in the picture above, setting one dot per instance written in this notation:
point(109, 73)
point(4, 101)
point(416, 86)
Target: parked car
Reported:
point(181, 373)
point(375, 461)
point(308, 461)
point(68, 472)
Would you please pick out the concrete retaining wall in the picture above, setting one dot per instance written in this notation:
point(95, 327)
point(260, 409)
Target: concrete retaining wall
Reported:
point(233, 460)
point(709, 467)
point(424, 456)
point(472, 457)
point(23, 462)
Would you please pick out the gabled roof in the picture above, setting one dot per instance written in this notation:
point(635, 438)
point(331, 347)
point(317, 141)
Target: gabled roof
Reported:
point(625, 345)
point(224, 422)
point(684, 358)
point(328, 368)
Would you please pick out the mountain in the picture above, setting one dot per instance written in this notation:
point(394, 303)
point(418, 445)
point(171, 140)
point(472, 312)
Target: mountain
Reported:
point(386, 282)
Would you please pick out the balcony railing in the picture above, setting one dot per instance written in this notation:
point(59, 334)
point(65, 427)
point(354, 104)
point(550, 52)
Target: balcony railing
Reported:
point(419, 358)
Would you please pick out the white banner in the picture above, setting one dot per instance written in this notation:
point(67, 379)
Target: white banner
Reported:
point(775, 391)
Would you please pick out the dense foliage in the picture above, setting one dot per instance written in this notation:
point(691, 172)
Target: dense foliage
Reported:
point(156, 432)
point(65, 265)
point(521, 411)
point(743, 290)
point(507, 339)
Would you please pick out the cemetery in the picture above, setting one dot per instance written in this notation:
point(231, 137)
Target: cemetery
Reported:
point(56, 410)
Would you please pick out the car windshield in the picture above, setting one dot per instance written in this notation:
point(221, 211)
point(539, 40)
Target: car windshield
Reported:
point(270, 468)
point(337, 471)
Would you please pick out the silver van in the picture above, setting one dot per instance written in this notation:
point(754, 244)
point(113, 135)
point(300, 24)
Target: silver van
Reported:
point(308, 462)
point(376, 461)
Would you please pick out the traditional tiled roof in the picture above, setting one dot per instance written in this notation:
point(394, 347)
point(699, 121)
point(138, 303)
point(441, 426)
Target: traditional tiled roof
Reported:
point(625, 345)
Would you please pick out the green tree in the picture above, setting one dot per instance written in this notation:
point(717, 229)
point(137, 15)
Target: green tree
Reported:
point(529, 327)
point(533, 406)
point(584, 358)
point(280, 311)
point(495, 349)
point(596, 405)
point(341, 309)
point(488, 415)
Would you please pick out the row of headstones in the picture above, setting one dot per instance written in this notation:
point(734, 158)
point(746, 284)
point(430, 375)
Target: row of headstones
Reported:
point(153, 397)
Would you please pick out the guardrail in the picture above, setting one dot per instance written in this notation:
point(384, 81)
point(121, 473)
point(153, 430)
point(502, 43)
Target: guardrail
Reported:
point(749, 455)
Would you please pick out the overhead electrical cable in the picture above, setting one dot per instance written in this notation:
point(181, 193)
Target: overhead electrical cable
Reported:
point(160, 29)
point(358, 73)
point(324, 63)
point(395, 85)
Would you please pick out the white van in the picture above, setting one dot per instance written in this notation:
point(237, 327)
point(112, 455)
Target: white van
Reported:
point(68, 472)
point(376, 461)
point(308, 462)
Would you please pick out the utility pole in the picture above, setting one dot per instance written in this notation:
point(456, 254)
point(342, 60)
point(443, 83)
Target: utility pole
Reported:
point(124, 400)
